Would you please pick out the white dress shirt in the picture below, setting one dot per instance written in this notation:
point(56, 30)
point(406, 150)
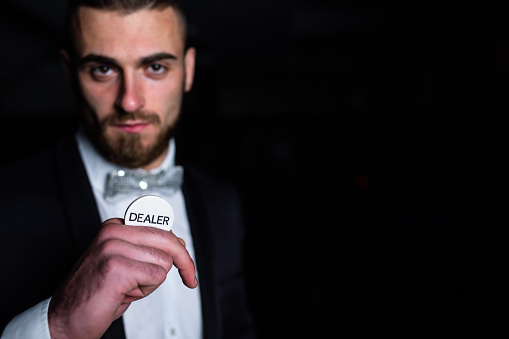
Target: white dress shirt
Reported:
point(172, 310)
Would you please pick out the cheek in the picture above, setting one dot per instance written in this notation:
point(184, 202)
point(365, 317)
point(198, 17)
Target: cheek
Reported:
point(100, 98)
point(165, 101)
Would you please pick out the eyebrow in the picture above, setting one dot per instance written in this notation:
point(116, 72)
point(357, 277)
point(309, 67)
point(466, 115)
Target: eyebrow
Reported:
point(110, 61)
point(156, 57)
point(97, 58)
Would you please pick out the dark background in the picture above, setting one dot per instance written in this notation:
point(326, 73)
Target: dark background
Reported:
point(368, 143)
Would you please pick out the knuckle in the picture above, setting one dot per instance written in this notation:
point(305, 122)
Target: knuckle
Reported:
point(154, 273)
point(149, 231)
point(172, 238)
point(108, 247)
point(161, 257)
point(109, 231)
point(109, 264)
point(157, 273)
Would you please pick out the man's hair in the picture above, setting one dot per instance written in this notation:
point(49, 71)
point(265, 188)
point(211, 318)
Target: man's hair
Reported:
point(126, 6)
point(122, 6)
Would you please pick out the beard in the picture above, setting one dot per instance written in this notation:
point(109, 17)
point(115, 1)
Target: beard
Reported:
point(127, 149)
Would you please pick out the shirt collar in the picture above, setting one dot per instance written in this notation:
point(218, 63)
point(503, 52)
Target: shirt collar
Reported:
point(98, 168)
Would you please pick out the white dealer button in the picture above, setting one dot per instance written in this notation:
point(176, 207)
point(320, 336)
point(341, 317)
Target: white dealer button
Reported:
point(149, 210)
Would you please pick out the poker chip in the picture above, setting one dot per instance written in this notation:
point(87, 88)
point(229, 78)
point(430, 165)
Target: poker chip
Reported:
point(149, 210)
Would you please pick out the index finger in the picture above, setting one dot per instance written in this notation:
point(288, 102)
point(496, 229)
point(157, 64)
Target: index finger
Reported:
point(184, 263)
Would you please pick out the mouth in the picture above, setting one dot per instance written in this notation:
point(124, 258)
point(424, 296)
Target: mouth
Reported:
point(132, 126)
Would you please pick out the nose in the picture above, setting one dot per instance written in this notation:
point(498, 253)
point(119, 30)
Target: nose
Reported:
point(130, 95)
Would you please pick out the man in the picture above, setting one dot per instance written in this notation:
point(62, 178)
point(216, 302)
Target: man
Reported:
point(128, 63)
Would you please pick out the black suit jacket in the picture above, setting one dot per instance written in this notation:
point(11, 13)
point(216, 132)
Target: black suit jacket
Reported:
point(49, 217)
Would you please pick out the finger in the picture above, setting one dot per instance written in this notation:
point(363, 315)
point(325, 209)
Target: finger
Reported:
point(113, 221)
point(182, 241)
point(141, 235)
point(185, 265)
point(188, 276)
point(136, 252)
point(156, 238)
point(126, 277)
point(182, 260)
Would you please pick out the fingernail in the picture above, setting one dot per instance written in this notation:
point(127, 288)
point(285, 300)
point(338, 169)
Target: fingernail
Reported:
point(195, 281)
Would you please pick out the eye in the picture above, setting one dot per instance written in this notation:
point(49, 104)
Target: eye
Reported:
point(157, 68)
point(102, 72)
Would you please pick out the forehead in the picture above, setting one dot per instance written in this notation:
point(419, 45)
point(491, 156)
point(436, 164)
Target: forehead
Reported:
point(119, 35)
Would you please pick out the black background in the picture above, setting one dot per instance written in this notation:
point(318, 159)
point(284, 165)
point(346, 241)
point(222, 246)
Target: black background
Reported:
point(368, 143)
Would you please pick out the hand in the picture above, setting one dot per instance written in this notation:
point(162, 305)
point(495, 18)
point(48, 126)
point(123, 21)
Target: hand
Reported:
point(123, 264)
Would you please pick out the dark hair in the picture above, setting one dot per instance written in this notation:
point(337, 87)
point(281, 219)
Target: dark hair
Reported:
point(127, 6)
point(123, 6)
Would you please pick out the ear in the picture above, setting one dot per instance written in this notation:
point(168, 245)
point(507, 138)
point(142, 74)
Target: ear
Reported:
point(66, 62)
point(189, 63)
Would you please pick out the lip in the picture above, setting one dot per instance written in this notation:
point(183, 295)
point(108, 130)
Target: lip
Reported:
point(132, 126)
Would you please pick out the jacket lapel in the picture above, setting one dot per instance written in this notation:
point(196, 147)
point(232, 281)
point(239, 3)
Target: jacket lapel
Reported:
point(78, 198)
point(202, 239)
point(80, 207)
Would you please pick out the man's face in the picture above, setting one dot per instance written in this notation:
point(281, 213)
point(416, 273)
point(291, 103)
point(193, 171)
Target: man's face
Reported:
point(132, 73)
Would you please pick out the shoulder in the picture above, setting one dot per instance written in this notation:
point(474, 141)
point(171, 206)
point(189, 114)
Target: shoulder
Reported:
point(34, 172)
point(34, 220)
point(32, 188)
point(29, 192)
point(27, 174)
